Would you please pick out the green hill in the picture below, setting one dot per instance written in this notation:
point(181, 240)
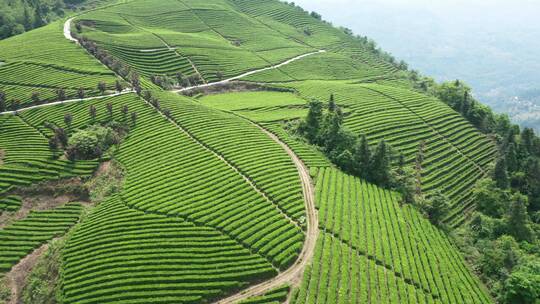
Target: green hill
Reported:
point(214, 203)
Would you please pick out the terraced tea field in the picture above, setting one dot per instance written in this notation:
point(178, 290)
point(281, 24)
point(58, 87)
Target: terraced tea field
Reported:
point(371, 250)
point(220, 202)
point(456, 155)
point(40, 69)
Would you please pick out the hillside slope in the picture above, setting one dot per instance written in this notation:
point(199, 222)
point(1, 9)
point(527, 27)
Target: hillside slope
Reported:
point(212, 204)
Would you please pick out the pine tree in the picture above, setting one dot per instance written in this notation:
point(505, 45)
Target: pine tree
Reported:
point(68, 118)
point(331, 103)
point(500, 173)
point(362, 157)
point(518, 219)
point(380, 164)
point(102, 87)
point(345, 161)
point(512, 162)
point(2, 101)
point(93, 112)
point(27, 19)
point(118, 86)
point(313, 121)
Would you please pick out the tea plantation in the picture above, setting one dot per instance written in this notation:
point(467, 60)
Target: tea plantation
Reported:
point(221, 199)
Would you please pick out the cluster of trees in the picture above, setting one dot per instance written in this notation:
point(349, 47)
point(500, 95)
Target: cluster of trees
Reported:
point(503, 239)
point(93, 141)
point(502, 242)
point(19, 16)
point(179, 80)
point(110, 61)
point(323, 127)
point(154, 101)
point(378, 164)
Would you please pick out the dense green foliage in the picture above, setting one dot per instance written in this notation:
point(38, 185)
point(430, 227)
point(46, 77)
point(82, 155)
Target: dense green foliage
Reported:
point(324, 128)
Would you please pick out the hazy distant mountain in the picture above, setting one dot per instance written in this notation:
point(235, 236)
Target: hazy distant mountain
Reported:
point(493, 46)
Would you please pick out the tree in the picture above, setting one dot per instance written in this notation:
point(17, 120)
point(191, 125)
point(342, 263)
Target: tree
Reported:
point(362, 157)
point(83, 145)
point(2, 101)
point(404, 182)
point(500, 173)
point(331, 103)
point(147, 95)
point(179, 78)
point(380, 164)
point(102, 86)
point(527, 139)
point(329, 133)
point(155, 103)
point(61, 94)
point(135, 82)
point(518, 221)
point(125, 110)
point(316, 15)
point(313, 121)
point(92, 111)
point(436, 208)
point(61, 136)
point(345, 161)
point(134, 118)
point(80, 93)
point(118, 86)
point(512, 162)
point(219, 75)
point(489, 199)
point(15, 104)
point(523, 285)
point(167, 113)
point(35, 97)
point(109, 109)
point(68, 119)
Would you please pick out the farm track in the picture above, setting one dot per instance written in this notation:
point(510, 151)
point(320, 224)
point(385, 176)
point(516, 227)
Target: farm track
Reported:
point(293, 275)
point(249, 73)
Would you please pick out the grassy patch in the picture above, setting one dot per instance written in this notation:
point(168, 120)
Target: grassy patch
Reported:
point(41, 284)
point(108, 180)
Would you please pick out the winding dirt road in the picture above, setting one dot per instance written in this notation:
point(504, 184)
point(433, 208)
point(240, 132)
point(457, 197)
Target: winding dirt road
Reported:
point(249, 73)
point(67, 31)
point(293, 275)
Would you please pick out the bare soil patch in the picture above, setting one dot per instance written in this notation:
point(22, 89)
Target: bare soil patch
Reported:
point(46, 196)
point(2, 155)
point(16, 278)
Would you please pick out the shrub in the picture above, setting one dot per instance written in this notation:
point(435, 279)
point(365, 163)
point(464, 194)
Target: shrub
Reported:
point(83, 145)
